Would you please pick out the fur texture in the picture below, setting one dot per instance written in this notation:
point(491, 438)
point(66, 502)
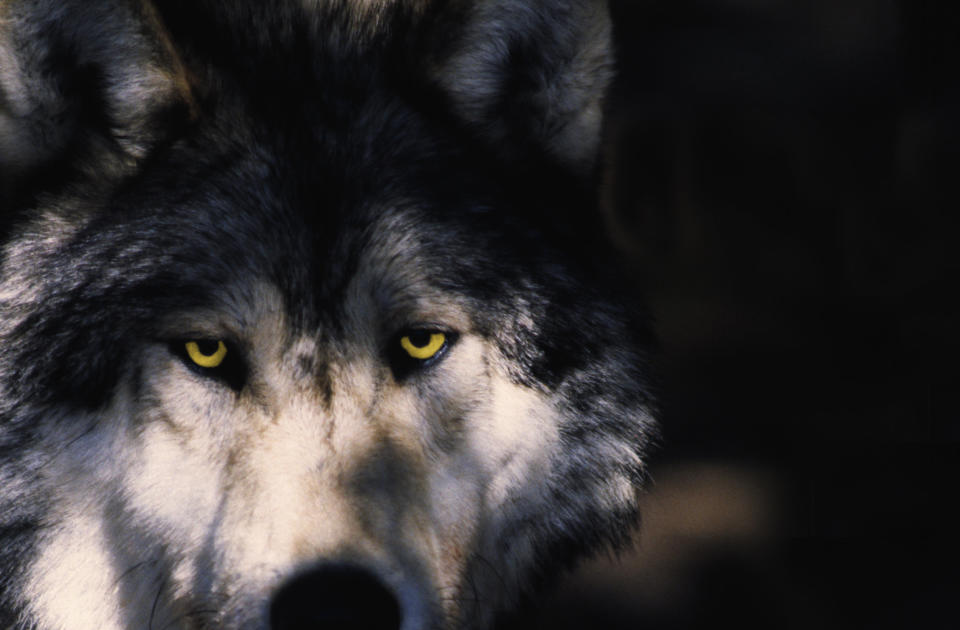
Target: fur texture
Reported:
point(308, 182)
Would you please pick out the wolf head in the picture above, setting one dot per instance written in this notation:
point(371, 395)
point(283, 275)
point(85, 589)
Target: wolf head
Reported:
point(294, 329)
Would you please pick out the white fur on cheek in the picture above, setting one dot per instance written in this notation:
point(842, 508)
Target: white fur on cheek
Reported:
point(517, 441)
point(173, 485)
point(73, 585)
point(78, 581)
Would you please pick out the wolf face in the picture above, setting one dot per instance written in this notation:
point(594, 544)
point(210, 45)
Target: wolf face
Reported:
point(287, 335)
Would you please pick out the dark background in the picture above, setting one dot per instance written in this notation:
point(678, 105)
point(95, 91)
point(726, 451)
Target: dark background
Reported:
point(782, 176)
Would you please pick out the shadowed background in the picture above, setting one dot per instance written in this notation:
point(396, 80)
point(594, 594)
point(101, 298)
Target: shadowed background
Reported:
point(782, 179)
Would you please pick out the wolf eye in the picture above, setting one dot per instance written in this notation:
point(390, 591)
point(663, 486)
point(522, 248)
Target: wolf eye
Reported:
point(415, 349)
point(206, 353)
point(213, 358)
point(423, 344)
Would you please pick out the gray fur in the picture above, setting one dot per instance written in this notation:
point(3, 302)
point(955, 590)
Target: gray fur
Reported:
point(306, 183)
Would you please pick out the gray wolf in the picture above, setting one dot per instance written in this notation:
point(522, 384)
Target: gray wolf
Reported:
point(290, 333)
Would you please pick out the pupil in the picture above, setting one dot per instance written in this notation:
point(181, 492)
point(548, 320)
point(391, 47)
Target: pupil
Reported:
point(207, 347)
point(419, 338)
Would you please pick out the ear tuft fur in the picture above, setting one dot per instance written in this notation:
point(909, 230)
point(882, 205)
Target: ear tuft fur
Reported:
point(530, 75)
point(78, 78)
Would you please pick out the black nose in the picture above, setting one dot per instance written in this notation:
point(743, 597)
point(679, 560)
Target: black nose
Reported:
point(338, 597)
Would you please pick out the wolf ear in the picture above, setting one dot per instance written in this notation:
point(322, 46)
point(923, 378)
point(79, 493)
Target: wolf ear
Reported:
point(80, 78)
point(528, 75)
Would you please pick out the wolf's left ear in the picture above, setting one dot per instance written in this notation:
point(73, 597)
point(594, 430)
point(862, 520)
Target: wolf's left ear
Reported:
point(80, 79)
point(528, 75)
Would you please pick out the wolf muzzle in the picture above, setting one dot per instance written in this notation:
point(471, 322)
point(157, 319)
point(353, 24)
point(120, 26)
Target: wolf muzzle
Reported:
point(335, 597)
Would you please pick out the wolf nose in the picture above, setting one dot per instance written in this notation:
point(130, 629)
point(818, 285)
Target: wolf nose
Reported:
point(338, 597)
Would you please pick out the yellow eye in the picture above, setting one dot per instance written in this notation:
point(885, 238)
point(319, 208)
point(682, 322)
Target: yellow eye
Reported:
point(210, 355)
point(422, 344)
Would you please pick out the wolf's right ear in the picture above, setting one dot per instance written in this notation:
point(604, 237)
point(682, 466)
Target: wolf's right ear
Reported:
point(83, 82)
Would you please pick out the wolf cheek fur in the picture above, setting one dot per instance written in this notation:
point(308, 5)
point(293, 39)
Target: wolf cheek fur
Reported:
point(289, 331)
